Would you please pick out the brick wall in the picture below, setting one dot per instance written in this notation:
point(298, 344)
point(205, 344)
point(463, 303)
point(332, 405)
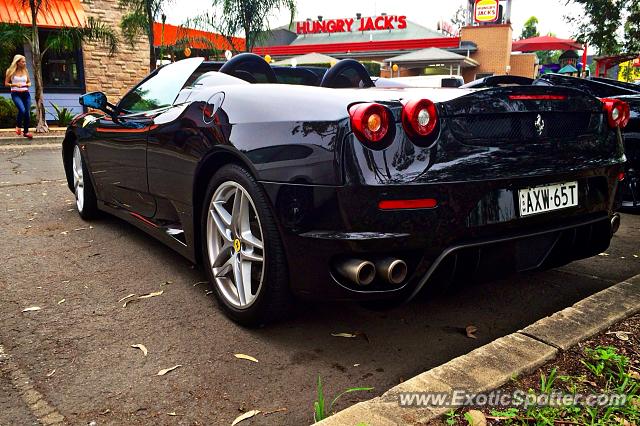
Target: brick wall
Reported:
point(524, 65)
point(113, 75)
point(494, 49)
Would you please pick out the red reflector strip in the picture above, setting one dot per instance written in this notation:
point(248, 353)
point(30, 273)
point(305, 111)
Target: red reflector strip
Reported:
point(421, 203)
point(621, 176)
point(537, 97)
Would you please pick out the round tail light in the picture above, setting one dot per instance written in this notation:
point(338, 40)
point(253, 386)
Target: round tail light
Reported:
point(618, 112)
point(419, 118)
point(370, 123)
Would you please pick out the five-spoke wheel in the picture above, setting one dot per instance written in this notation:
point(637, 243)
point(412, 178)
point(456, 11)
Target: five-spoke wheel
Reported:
point(244, 258)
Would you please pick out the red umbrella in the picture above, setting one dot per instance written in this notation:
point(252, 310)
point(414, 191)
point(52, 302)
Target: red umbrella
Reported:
point(545, 43)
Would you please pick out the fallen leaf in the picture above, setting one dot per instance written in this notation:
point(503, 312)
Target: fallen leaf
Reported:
point(471, 330)
point(475, 418)
point(64, 233)
point(635, 255)
point(208, 292)
point(142, 347)
point(201, 282)
point(126, 297)
point(51, 373)
point(173, 413)
point(166, 283)
point(245, 416)
point(60, 302)
point(603, 254)
point(343, 335)
point(150, 295)
point(247, 357)
point(622, 335)
point(80, 229)
point(31, 309)
point(279, 410)
point(634, 375)
point(167, 370)
point(105, 412)
point(356, 365)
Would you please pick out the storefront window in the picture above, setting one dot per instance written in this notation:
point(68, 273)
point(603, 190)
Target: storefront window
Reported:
point(60, 70)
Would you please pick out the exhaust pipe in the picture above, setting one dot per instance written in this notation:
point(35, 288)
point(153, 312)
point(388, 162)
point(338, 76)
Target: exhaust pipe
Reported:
point(615, 223)
point(393, 271)
point(361, 272)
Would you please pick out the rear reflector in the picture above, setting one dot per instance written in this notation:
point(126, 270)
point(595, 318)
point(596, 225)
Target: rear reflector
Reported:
point(621, 176)
point(537, 97)
point(420, 203)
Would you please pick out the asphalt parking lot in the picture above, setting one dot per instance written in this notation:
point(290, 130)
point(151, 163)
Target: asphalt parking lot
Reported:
point(76, 350)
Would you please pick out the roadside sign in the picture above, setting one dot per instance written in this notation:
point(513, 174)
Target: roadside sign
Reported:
point(486, 11)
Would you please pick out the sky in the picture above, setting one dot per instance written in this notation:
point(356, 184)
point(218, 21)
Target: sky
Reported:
point(427, 13)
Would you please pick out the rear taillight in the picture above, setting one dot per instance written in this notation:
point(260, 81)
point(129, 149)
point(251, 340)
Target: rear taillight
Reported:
point(370, 123)
point(618, 112)
point(419, 119)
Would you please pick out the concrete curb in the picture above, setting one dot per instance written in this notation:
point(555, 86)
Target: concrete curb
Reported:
point(22, 141)
point(492, 365)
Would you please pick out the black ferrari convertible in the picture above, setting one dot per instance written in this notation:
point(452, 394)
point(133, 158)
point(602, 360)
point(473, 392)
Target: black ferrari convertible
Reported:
point(313, 183)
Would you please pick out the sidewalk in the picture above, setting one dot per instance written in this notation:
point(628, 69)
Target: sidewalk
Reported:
point(492, 365)
point(55, 135)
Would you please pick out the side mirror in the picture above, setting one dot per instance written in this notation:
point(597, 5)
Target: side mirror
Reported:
point(95, 100)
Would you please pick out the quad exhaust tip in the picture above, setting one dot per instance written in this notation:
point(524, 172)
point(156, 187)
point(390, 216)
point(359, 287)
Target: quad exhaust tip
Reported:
point(615, 223)
point(361, 272)
point(393, 271)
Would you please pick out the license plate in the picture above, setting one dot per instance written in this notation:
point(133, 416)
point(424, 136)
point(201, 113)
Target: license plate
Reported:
point(547, 198)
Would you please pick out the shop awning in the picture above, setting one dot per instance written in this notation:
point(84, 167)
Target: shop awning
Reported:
point(432, 56)
point(545, 43)
point(58, 13)
point(197, 39)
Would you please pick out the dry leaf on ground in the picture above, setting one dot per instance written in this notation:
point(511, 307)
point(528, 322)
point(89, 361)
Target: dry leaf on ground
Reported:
point(167, 370)
point(126, 297)
point(31, 309)
point(476, 418)
point(350, 335)
point(140, 346)
point(150, 295)
point(51, 373)
point(60, 302)
point(247, 357)
point(471, 331)
point(245, 416)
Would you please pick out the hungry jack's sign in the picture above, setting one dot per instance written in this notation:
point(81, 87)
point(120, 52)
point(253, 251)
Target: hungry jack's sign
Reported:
point(374, 23)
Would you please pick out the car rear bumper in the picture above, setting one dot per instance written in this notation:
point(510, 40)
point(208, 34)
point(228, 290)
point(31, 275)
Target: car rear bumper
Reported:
point(475, 231)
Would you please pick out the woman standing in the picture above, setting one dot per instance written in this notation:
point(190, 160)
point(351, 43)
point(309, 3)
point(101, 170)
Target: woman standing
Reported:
point(17, 78)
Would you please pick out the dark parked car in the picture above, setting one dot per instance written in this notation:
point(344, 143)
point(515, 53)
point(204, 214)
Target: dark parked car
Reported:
point(336, 188)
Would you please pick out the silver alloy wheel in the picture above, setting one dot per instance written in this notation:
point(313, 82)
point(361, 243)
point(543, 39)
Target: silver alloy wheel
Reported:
point(78, 178)
point(235, 245)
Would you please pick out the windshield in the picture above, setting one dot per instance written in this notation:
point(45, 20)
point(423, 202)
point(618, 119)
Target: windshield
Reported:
point(161, 88)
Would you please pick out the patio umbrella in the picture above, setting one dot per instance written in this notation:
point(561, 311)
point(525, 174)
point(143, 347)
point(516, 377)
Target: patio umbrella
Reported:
point(568, 69)
point(545, 43)
point(309, 58)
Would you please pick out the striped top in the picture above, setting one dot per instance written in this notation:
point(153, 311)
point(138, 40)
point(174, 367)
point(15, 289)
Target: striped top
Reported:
point(19, 79)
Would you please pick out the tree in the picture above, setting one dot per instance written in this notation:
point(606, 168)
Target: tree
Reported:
point(632, 28)
point(139, 19)
point(459, 19)
point(530, 28)
point(64, 39)
point(598, 25)
point(231, 18)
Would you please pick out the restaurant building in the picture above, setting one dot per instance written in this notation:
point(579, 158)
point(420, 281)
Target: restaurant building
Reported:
point(479, 49)
point(68, 75)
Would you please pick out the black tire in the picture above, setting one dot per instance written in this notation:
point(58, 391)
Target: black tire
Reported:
point(274, 300)
point(88, 209)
